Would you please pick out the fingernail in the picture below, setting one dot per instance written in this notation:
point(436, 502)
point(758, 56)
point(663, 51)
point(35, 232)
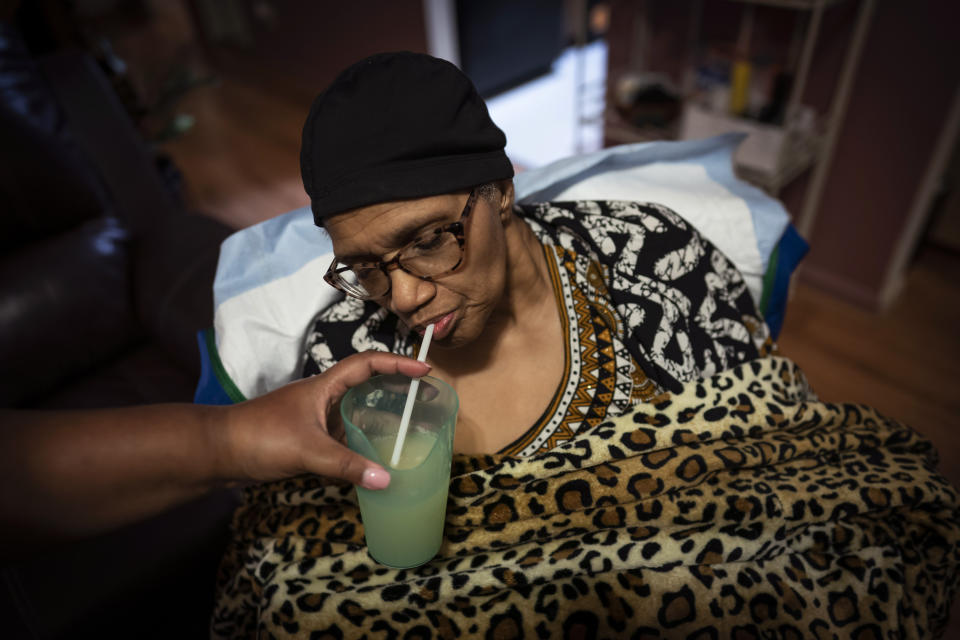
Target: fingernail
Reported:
point(375, 479)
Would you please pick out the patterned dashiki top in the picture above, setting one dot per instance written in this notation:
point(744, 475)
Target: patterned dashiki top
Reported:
point(646, 304)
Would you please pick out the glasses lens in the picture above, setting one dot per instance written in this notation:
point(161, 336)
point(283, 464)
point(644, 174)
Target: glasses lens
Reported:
point(431, 254)
point(363, 283)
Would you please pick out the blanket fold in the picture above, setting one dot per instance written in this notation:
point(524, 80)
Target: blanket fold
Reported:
point(739, 507)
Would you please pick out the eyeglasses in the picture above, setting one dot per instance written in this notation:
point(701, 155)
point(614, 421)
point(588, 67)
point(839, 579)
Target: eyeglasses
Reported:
point(431, 255)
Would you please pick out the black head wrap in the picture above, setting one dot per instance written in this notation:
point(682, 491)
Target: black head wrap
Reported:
point(396, 126)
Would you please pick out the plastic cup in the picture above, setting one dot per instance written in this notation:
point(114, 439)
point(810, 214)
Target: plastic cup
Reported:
point(403, 523)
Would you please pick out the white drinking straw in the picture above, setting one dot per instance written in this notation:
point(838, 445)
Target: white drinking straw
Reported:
point(411, 397)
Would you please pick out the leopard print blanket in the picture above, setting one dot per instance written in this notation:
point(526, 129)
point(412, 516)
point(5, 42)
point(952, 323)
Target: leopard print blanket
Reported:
point(740, 507)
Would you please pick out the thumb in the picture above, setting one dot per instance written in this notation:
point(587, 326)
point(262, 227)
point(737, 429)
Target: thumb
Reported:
point(337, 461)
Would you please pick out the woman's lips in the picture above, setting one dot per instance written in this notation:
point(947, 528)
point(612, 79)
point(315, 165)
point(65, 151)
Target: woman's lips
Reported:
point(442, 326)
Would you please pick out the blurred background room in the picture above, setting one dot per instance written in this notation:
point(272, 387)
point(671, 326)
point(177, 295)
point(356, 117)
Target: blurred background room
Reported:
point(138, 134)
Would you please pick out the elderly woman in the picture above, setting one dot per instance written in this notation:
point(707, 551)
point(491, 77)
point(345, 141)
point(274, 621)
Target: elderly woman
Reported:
point(630, 461)
point(548, 317)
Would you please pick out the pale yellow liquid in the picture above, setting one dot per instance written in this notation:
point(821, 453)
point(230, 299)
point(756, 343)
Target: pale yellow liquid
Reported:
point(416, 446)
point(404, 522)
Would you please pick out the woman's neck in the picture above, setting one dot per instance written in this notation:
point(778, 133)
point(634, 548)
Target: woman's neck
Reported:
point(528, 292)
point(506, 378)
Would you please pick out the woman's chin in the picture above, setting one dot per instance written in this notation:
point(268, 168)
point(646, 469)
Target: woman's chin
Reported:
point(461, 336)
point(453, 341)
point(465, 328)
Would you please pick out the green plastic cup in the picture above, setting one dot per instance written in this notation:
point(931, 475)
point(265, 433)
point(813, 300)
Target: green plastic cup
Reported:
point(403, 523)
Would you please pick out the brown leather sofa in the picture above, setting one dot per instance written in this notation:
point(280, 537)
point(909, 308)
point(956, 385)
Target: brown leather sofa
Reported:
point(105, 279)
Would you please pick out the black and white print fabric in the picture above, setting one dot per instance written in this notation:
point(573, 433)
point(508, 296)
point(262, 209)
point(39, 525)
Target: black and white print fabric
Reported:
point(684, 309)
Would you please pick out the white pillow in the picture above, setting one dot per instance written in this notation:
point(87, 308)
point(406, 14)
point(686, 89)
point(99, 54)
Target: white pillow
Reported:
point(694, 178)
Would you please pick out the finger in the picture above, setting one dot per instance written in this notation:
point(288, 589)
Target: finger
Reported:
point(359, 367)
point(337, 461)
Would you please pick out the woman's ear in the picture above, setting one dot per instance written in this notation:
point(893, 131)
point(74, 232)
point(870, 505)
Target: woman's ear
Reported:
point(506, 200)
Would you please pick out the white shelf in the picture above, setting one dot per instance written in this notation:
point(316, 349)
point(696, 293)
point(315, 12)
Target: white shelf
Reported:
point(778, 155)
point(801, 155)
point(770, 157)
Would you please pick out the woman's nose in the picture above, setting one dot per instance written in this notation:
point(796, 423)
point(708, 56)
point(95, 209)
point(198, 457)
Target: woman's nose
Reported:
point(408, 293)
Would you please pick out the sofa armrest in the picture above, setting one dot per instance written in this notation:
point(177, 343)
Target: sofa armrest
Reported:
point(65, 307)
point(173, 272)
point(174, 253)
point(103, 129)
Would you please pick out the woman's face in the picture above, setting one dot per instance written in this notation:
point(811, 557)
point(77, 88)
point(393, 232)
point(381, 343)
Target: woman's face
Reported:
point(459, 303)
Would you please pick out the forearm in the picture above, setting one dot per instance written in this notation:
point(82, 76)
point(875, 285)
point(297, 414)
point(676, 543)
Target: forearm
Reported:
point(81, 472)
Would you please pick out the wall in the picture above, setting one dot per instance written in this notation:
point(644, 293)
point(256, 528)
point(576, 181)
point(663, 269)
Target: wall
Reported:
point(903, 90)
point(303, 44)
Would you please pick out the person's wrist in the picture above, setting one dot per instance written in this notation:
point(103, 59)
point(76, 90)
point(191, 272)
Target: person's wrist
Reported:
point(220, 428)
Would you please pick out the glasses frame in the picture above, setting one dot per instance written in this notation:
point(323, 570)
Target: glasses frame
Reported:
point(334, 279)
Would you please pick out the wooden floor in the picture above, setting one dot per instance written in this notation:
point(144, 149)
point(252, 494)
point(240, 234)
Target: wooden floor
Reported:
point(241, 166)
point(241, 160)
